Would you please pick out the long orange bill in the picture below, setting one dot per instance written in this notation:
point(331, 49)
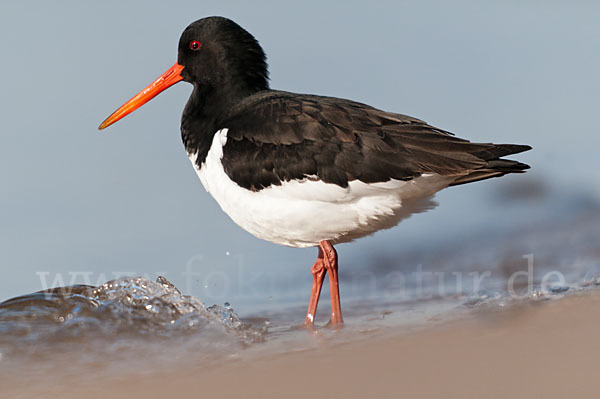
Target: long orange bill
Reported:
point(166, 80)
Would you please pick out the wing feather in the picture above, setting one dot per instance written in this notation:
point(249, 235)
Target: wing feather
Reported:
point(277, 136)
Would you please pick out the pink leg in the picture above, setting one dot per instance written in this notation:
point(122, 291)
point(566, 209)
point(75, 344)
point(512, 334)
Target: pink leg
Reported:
point(330, 261)
point(318, 271)
point(326, 262)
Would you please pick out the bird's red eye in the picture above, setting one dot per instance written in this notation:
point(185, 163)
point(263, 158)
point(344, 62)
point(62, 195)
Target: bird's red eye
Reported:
point(195, 45)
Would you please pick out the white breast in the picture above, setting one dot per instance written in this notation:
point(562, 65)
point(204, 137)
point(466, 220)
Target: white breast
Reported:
point(302, 213)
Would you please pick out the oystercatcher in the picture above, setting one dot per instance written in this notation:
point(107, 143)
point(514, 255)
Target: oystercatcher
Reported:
point(305, 170)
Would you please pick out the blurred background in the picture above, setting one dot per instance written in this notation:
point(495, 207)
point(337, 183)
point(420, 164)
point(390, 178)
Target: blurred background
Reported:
point(82, 206)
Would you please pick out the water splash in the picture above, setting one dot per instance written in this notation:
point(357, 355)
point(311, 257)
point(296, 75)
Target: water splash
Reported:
point(119, 313)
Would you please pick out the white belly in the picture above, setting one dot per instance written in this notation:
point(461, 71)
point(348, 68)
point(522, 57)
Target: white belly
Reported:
point(302, 213)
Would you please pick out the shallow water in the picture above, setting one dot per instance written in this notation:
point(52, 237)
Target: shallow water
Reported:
point(137, 325)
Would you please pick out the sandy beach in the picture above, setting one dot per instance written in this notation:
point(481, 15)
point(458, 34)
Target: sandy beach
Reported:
point(544, 349)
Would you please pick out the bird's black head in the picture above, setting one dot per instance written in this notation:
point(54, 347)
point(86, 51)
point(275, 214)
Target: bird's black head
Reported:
point(223, 62)
point(216, 52)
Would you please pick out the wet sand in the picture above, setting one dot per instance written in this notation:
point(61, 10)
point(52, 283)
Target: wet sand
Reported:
point(542, 349)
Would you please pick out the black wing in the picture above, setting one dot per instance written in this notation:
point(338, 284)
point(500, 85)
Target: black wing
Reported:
point(275, 137)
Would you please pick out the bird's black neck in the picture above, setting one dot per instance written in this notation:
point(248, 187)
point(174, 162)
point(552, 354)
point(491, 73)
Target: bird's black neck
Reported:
point(204, 114)
point(199, 120)
point(207, 111)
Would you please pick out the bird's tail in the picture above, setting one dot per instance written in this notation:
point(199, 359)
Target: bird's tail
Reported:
point(496, 166)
